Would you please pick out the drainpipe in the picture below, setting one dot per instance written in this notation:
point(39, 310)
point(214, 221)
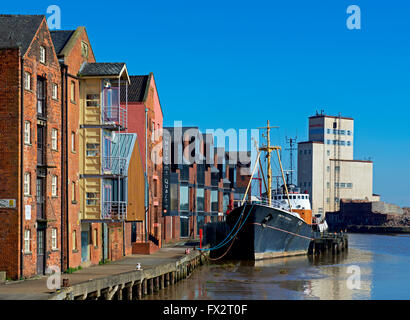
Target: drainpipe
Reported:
point(21, 166)
point(64, 166)
point(63, 184)
point(146, 175)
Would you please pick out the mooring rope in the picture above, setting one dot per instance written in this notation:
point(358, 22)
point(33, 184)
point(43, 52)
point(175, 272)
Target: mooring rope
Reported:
point(295, 234)
point(234, 237)
point(226, 240)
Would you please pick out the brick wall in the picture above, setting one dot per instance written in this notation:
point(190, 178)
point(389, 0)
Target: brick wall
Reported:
point(74, 60)
point(9, 160)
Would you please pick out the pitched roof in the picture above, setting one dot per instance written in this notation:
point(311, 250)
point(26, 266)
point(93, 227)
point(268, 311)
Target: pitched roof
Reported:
point(60, 38)
point(136, 89)
point(18, 30)
point(102, 69)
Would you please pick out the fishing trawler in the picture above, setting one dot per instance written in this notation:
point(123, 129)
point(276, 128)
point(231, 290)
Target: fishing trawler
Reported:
point(277, 226)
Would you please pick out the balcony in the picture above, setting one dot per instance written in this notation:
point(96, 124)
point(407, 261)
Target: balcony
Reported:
point(115, 210)
point(113, 113)
point(115, 165)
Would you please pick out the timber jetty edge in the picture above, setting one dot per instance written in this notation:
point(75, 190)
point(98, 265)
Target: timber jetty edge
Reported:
point(133, 285)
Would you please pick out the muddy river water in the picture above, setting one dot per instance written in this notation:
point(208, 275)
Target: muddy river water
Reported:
point(374, 267)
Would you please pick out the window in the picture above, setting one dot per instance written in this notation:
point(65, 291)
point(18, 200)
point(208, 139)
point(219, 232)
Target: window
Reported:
point(328, 131)
point(327, 200)
point(41, 97)
point(27, 241)
point(27, 81)
point(27, 183)
point(72, 91)
point(84, 49)
point(328, 185)
point(184, 199)
point(54, 238)
point(54, 137)
point(42, 54)
point(74, 240)
point(72, 141)
point(73, 195)
point(93, 100)
point(214, 200)
point(328, 168)
point(95, 238)
point(55, 91)
point(349, 185)
point(336, 199)
point(337, 168)
point(200, 199)
point(328, 141)
point(54, 186)
point(27, 132)
point(349, 133)
point(93, 149)
point(328, 152)
point(92, 198)
point(349, 143)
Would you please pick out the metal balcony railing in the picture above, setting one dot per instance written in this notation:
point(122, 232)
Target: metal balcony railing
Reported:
point(116, 210)
point(115, 165)
point(112, 111)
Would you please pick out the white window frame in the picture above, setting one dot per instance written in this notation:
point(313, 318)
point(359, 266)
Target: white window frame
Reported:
point(54, 186)
point(27, 132)
point(54, 239)
point(27, 241)
point(27, 183)
point(72, 141)
point(55, 91)
point(54, 139)
point(27, 80)
point(74, 235)
point(72, 91)
point(73, 191)
point(42, 54)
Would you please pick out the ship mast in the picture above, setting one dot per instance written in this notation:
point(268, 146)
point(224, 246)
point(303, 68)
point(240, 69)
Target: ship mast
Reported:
point(268, 149)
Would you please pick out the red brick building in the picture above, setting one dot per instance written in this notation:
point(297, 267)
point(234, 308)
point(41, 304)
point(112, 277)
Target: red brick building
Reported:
point(30, 142)
point(201, 182)
point(145, 118)
point(73, 49)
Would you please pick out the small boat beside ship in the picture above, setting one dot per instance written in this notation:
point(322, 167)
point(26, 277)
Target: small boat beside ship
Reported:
point(279, 225)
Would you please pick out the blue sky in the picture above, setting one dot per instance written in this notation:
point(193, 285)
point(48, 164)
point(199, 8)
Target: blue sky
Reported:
point(235, 64)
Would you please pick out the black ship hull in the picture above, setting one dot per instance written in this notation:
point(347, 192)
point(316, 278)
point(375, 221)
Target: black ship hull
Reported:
point(266, 233)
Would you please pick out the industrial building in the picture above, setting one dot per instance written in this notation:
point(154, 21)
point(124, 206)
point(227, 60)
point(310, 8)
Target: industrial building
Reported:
point(326, 167)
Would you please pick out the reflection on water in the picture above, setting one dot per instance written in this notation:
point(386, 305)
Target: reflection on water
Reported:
point(383, 263)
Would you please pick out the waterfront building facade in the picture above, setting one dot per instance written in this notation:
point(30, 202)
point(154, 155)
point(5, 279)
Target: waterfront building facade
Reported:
point(30, 155)
point(73, 49)
point(200, 181)
point(103, 174)
point(145, 118)
point(326, 168)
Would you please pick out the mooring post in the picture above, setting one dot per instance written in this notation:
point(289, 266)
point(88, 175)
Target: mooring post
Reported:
point(161, 281)
point(167, 279)
point(151, 286)
point(144, 287)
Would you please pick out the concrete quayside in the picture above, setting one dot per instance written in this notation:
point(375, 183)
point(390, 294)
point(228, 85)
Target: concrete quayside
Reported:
point(119, 280)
